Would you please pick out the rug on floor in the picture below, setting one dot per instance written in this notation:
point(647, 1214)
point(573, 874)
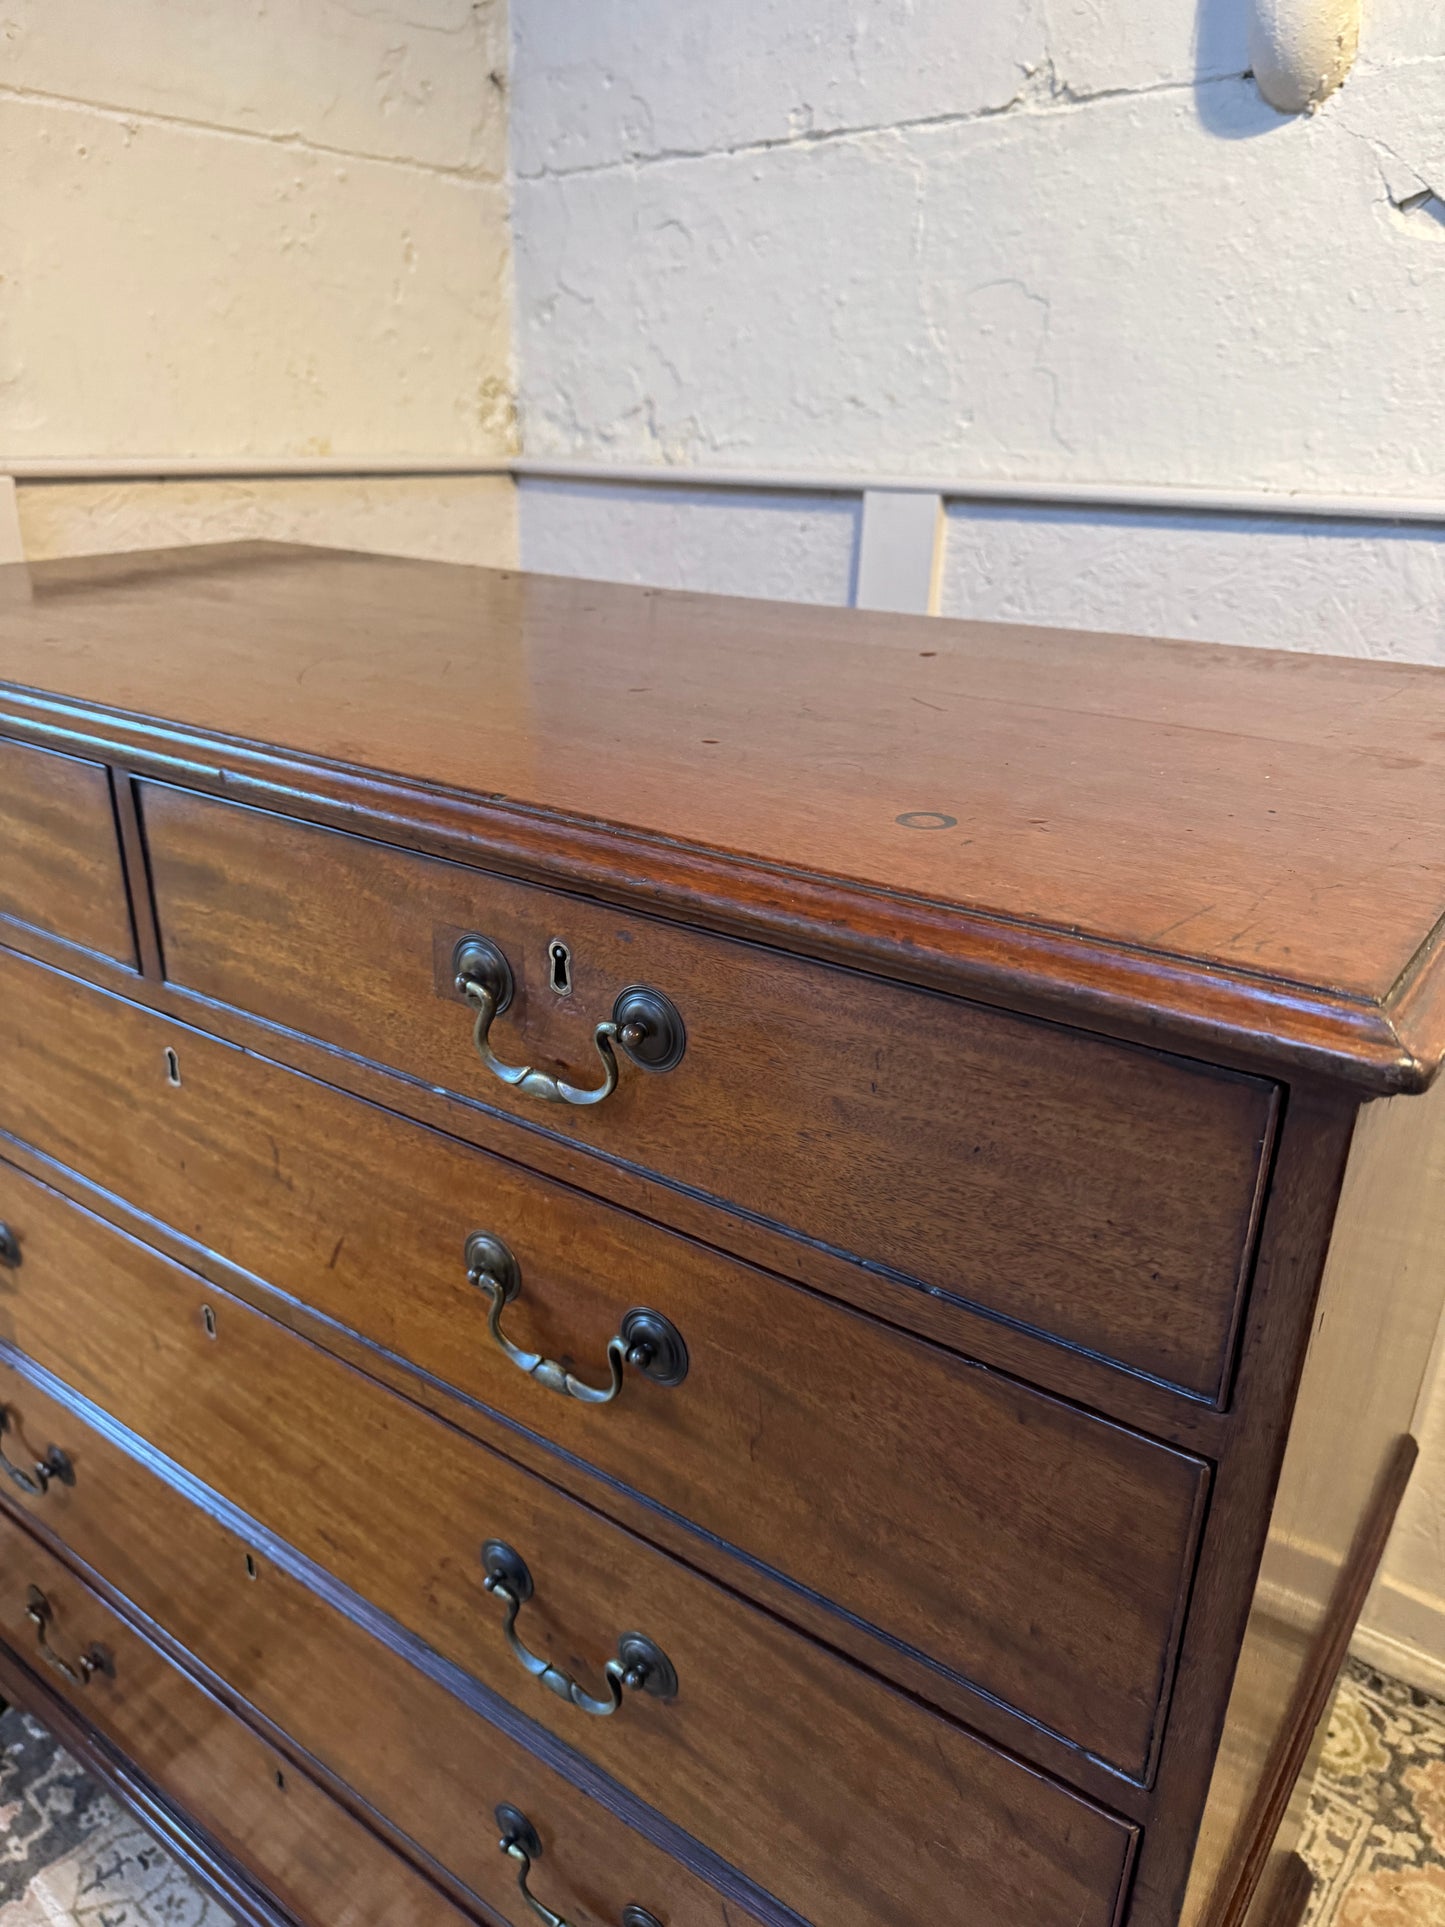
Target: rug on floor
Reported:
point(1375, 1838)
point(70, 1858)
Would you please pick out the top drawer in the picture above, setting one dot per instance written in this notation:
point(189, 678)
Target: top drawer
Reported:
point(1101, 1194)
point(60, 867)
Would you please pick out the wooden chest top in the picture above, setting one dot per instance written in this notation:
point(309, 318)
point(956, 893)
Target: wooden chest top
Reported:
point(1238, 851)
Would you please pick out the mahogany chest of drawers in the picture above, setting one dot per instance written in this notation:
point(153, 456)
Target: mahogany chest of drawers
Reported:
point(671, 1262)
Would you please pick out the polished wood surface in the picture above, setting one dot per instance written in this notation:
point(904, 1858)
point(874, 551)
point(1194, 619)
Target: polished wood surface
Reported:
point(1380, 1302)
point(324, 1868)
point(1043, 1353)
point(601, 700)
point(60, 864)
point(220, 1877)
point(1304, 1193)
point(1070, 1611)
point(1287, 1902)
point(1070, 772)
point(408, 1747)
point(398, 1506)
point(1313, 1693)
point(888, 1124)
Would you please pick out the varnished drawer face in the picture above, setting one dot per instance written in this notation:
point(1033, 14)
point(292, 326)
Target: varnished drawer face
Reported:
point(323, 1866)
point(399, 1506)
point(1103, 1195)
point(60, 864)
point(409, 1747)
point(1024, 1547)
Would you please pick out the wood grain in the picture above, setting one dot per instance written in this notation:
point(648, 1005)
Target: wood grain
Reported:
point(1313, 1692)
point(802, 734)
point(1299, 1223)
point(324, 1868)
point(1286, 1904)
point(1380, 1301)
point(895, 1126)
point(407, 1747)
point(1037, 1554)
point(787, 742)
point(60, 866)
point(1219, 876)
point(398, 1506)
point(210, 1867)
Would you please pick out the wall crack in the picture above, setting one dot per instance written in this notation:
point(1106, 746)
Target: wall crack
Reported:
point(1043, 95)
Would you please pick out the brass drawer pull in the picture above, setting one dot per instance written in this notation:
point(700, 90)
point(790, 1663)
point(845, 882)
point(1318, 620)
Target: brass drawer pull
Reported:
point(520, 1842)
point(645, 1339)
point(34, 1481)
point(640, 1666)
point(643, 1022)
point(93, 1660)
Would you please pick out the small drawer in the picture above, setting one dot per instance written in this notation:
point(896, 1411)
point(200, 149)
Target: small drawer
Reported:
point(322, 1865)
point(1103, 1195)
point(760, 1743)
point(60, 862)
point(1013, 1541)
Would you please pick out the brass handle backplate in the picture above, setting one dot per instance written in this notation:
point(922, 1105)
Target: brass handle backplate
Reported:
point(641, 1666)
point(34, 1479)
point(643, 1022)
point(521, 1843)
point(95, 1659)
point(646, 1340)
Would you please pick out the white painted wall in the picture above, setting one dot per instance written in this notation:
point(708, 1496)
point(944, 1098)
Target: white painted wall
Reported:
point(1349, 588)
point(1036, 241)
point(266, 227)
point(795, 547)
point(1022, 240)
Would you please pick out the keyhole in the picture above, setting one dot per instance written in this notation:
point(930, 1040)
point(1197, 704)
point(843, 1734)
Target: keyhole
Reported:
point(173, 1068)
point(208, 1319)
point(559, 959)
point(250, 1565)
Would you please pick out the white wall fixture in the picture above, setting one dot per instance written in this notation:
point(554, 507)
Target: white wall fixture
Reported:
point(900, 551)
point(1301, 50)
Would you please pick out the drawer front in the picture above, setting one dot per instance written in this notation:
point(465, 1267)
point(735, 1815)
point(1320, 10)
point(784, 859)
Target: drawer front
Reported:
point(1021, 1545)
point(408, 1747)
point(1100, 1194)
point(60, 864)
point(398, 1506)
point(321, 1864)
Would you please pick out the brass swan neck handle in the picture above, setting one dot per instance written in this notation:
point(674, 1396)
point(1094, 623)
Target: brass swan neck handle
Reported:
point(40, 1613)
point(645, 1340)
point(641, 1666)
point(34, 1480)
point(522, 1844)
point(644, 1024)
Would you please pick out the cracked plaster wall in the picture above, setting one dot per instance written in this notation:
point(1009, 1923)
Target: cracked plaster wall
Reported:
point(1048, 240)
point(1043, 241)
point(264, 227)
point(1040, 240)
